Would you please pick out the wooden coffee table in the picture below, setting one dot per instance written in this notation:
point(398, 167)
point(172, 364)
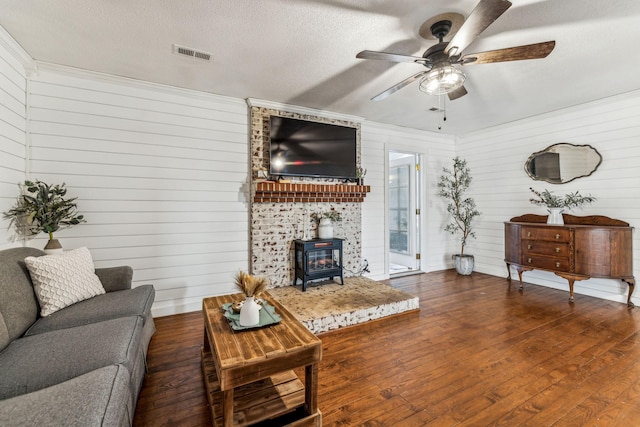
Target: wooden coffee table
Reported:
point(249, 374)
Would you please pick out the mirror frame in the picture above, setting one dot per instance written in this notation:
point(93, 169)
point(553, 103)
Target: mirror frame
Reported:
point(533, 156)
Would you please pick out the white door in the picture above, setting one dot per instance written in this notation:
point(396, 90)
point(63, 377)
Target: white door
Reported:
point(404, 241)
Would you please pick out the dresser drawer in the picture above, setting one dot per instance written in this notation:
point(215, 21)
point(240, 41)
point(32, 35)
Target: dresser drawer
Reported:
point(542, 233)
point(543, 247)
point(546, 263)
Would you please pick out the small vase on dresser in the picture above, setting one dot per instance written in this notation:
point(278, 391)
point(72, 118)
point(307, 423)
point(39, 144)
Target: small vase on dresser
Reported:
point(555, 216)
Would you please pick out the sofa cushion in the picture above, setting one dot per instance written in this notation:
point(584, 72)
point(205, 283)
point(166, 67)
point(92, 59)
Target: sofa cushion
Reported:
point(112, 305)
point(63, 279)
point(38, 361)
point(18, 304)
point(115, 278)
point(97, 398)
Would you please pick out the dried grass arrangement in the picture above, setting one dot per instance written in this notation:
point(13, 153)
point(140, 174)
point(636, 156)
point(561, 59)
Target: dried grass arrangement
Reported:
point(250, 285)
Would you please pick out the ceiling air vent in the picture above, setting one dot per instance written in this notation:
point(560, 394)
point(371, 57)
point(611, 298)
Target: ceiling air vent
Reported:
point(187, 51)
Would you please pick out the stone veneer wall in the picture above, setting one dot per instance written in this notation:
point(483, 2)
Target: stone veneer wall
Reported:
point(274, 226)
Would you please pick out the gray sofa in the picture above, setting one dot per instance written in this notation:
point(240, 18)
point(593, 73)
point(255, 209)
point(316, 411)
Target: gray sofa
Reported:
point(80, 366)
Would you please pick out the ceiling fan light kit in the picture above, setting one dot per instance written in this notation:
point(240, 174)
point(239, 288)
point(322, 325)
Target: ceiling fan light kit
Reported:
point(440, 60)
point(442, 79)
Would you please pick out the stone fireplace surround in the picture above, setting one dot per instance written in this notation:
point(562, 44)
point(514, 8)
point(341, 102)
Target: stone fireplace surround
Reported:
point(277, 221)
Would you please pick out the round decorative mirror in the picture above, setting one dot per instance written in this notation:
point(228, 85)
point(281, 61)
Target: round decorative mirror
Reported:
point(562, 163)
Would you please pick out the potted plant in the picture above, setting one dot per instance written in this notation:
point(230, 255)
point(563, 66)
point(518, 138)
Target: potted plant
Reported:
point(360, 174)
point(557, 204)
point(453, 185)
point(325, 222)
point(44, 208)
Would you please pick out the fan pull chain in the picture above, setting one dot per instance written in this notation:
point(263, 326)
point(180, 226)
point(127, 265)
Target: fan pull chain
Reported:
point(442, 104)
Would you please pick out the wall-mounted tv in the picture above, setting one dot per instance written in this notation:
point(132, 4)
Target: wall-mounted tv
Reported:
point(306, 148)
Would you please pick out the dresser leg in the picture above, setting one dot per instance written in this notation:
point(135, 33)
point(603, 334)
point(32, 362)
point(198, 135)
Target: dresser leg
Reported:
point(632, 285)
point(520, 277)
point(571, 282)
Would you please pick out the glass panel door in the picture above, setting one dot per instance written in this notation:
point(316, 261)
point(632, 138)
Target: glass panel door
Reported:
point(404, 239)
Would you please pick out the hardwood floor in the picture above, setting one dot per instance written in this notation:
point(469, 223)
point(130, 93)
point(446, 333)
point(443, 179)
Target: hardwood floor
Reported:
point(478, 353)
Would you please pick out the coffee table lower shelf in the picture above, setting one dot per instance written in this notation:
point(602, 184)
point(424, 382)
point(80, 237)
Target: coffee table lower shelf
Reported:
point(276, 400)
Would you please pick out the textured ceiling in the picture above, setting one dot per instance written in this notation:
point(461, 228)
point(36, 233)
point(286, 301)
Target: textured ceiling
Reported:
point(303, 52)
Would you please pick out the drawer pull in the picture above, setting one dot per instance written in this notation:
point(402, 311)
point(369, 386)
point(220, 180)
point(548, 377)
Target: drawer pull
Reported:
point(528, 234)
point(557, 250)
point(529, 260)
point(528, 246)
point(557, 237)
point(557, 265)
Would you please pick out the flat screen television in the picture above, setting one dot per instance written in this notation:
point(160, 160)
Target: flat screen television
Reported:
point(305, 148)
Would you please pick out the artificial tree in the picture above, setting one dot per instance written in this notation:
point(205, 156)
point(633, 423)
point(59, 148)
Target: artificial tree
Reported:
point(453, 185)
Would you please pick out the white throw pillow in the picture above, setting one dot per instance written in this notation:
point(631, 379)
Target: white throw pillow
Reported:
point(63, 279)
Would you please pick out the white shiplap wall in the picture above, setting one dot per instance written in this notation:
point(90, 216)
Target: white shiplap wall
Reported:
point(501, 186)
point(160, 174)
point(13, 122)
point(437, 150)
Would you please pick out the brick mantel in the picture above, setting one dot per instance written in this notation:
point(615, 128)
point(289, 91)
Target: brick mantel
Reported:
point(274, 192)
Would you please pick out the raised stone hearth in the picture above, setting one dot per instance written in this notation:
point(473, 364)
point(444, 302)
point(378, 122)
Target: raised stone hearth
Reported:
point(331, 306)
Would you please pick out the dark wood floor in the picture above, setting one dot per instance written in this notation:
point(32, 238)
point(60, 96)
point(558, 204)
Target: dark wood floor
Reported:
point(478, 353)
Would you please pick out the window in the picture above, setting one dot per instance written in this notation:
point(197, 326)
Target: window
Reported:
point(399, 209)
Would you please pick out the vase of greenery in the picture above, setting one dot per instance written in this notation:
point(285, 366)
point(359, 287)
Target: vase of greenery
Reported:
point(360, 174)
point(557, 204)
point(325, 222)
point(44, 208)
point(453, 185)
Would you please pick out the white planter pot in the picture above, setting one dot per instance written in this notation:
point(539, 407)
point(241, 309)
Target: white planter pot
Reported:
point(463, 264)
point(325, 229)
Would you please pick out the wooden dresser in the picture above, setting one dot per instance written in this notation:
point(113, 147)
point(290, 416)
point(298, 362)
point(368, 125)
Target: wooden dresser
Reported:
point(582, 248)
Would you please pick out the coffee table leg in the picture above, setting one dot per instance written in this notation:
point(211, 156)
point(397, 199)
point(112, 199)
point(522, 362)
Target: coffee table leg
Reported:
point(227, 408)
point(311, 388)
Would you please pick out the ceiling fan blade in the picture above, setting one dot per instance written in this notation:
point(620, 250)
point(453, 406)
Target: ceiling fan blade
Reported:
point(530, 51)
point(393, 89)
point(393, 57)
point(458, 93)
point(480, 18)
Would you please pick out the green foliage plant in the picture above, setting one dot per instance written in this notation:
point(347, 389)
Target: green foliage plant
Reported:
point(453, 185)
point(43, 208)
point(332, 214)
point(568, 201)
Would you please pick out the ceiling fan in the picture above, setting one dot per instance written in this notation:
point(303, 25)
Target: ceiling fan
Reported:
point(442, 61)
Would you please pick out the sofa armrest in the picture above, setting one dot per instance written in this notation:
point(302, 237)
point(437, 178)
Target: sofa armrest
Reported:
point(115, 278)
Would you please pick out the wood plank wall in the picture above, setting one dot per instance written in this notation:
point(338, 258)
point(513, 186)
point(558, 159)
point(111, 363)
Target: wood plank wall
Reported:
point(161, 175)
point(13, 123)
point(501, 186)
